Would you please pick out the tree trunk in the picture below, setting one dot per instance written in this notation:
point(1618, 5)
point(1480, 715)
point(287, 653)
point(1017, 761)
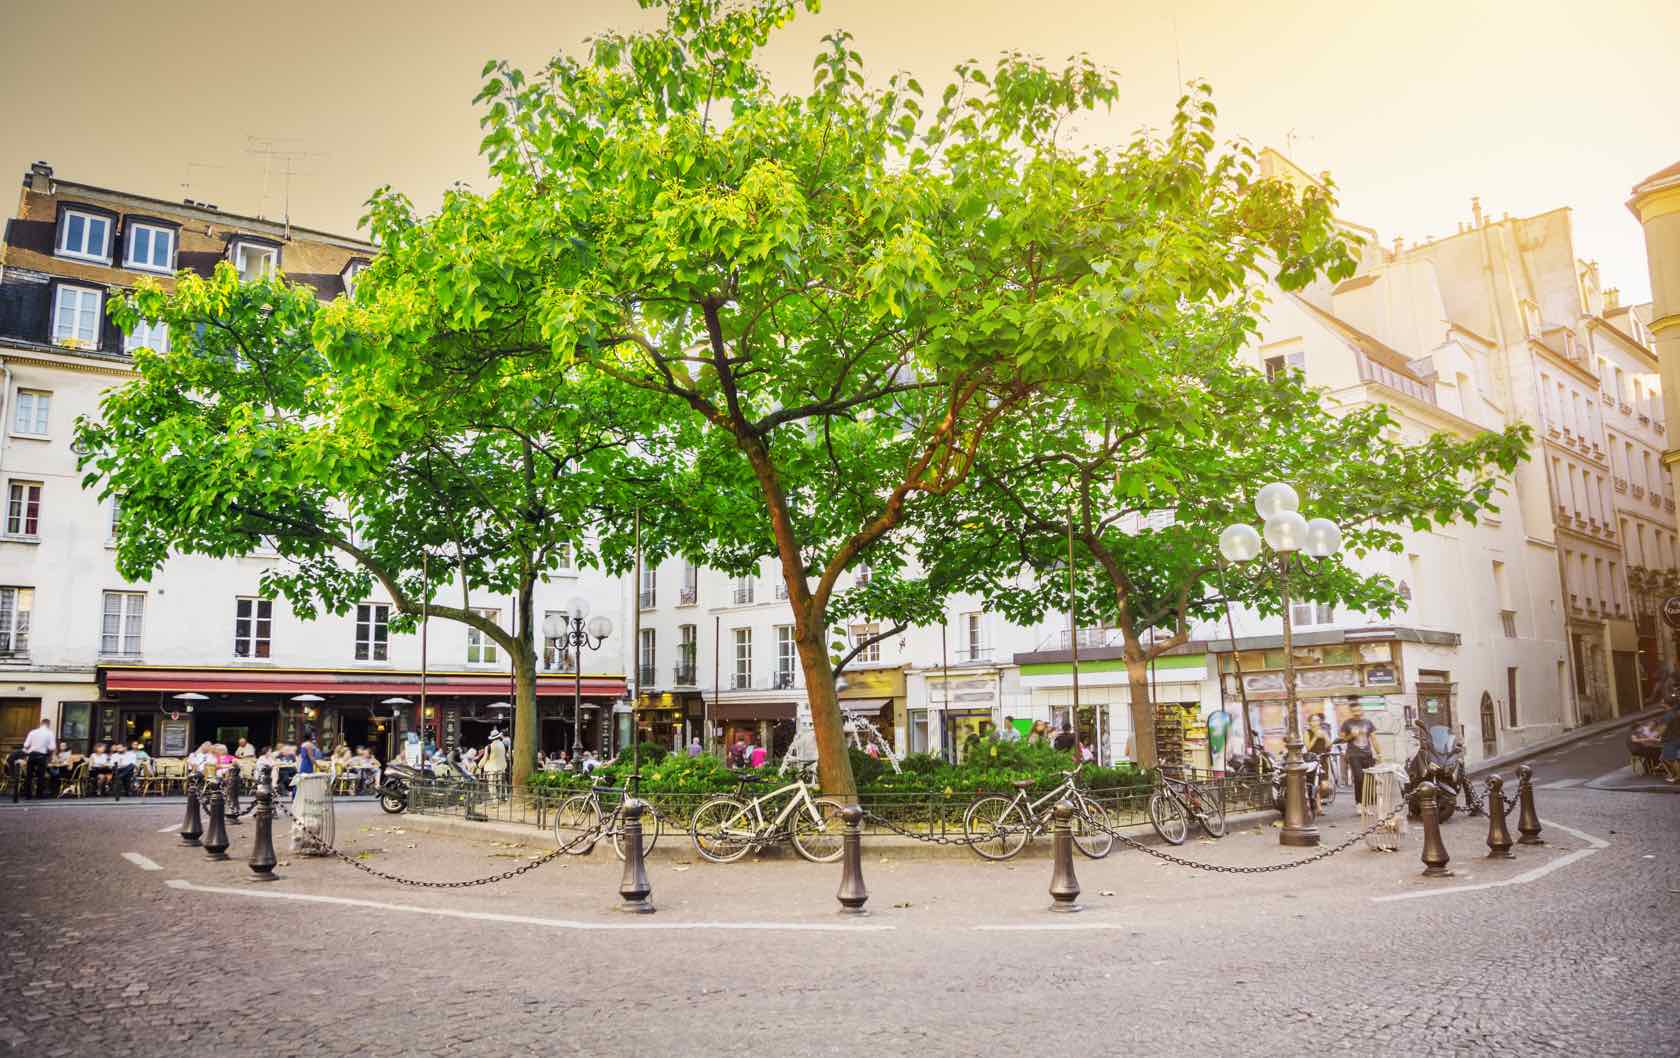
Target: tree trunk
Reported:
point(527, 721)
point(834, 764)
point(1143, 714)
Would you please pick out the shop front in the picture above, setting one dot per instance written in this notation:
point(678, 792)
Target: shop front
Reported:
point(961, 711)
point(875, 697)
point(761, 722)
point(1105, 698)
point(1329, 678)
point(663, 719)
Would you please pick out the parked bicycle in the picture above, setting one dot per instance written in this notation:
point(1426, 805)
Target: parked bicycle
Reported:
point(999, 827)
point(1176, 800)
point(726, 828)
point(582, 813)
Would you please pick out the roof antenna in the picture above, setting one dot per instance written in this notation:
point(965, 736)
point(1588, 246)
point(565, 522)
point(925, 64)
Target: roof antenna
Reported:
point(269, 149)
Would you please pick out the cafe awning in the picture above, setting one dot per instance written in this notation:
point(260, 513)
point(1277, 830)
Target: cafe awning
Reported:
point(753, 710)
point(865, 706)
point(331, 683)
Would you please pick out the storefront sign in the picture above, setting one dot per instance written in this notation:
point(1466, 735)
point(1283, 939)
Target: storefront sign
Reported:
point(175, 736)
point(1379, 674)
point(1671, 611)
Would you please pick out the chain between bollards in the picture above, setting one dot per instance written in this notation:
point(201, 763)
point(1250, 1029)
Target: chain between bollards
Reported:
point(852, 894)
point(1499, 838)
point(634, 887)
point(192, 828)
point(1528, 820)
point(1064, 887)
point(262, 847)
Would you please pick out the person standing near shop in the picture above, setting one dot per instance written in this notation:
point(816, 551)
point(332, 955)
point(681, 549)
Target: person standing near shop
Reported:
point(1359, 735)
point(38, 747)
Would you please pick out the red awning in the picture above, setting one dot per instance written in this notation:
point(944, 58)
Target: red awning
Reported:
point(339, 682)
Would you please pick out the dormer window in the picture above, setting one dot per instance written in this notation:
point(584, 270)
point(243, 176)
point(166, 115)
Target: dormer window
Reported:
point(75, 321)
point(151, 247)
point(85, 236)
point(355, 268)
point(253, 260)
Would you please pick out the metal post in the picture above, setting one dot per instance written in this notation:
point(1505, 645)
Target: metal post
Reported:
point(233, 796)
point(1528, 820)
point(1499, 838)
point(1298, 828)
point(215, 836)
point(262, 848)
point(1064, 887)
point(191, 827)
point(1073, 640)
point(852, 894)
point(634, 887)
point(1435, 856)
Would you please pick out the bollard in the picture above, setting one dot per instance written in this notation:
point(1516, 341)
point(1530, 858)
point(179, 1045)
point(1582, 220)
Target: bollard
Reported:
point(1499, 838)
point(1528, 820)
point(191, 827)
point(215, 835)
point(233, 797)
point(262, 847)
point(1435, 858)
point(633, 886)
point(852, 894)
point(1064, 887)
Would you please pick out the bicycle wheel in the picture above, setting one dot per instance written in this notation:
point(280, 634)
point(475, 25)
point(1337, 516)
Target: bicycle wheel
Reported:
point(651, 827)
point(721, 830)
point(1211, 813)
point(1166, 812)
point(1092, 829)
point(818, 840)
point(577, 815)
point(996, 827)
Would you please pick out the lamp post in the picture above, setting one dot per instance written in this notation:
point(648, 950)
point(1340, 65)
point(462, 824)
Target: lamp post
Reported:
point(580, 637)
point(1286, 532)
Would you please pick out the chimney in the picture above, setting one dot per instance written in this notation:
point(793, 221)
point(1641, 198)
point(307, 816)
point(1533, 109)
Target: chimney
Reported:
point(1476, 210)
point(1612, 298)
point(40, 178)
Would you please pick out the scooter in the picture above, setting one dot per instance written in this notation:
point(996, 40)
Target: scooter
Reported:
point(394, 783)
point(1438, 750)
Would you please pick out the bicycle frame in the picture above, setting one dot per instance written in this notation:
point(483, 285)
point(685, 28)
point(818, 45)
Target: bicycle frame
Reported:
point(801, 798)
point(1038, 812)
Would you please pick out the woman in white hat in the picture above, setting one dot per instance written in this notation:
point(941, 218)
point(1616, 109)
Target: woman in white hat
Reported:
point(495, 760)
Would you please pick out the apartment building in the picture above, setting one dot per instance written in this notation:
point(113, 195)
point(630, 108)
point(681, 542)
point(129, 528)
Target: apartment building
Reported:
point(196, 653)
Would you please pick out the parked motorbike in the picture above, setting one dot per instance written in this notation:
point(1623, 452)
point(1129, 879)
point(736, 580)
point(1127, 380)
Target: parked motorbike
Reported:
point(1438, 748)
point(394, 785)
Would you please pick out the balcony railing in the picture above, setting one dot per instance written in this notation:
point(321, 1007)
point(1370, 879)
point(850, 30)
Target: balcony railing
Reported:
point(740, 681)
point(683, 675)
point(784, 680)
point(781, 589)
point(646, 598)
point(1621, 485)
point(743, 594)
point(645, 676)
point(1508, 618)
point(689, 595)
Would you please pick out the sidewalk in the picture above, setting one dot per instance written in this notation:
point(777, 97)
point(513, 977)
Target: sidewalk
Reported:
point(1579, 734)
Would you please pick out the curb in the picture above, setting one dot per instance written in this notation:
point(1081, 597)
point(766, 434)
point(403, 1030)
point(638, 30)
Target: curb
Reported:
point(1568, 738)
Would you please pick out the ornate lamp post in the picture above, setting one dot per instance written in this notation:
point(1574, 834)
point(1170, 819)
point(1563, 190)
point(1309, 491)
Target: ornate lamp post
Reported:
point(580, 637)
point(1286, 533)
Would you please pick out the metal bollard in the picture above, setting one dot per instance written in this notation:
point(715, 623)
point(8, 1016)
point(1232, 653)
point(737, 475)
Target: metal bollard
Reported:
point(1528, 820)
point(262, 848)
point(634, 886)
point(233, 797)
point(215, 835)
point(1064, 887)
point(1499, 838)
point(852, 894)
point(1435, 858)
point(191, 827)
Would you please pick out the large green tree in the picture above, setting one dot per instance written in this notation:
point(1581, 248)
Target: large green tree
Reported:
point(847, 292)
point(1144, 495)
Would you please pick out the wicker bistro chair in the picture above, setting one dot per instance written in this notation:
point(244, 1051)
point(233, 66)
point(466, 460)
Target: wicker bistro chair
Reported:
point(76, 785)
point(168, 773)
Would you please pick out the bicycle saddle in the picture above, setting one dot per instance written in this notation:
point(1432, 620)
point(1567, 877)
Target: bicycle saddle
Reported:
point(1023, 784)
point(748, 777)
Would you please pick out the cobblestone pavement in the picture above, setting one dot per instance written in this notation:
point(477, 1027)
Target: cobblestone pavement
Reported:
point(103, 957)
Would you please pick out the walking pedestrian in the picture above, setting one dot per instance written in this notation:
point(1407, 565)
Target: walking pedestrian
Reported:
point(37, 748)
point(1671, 739)
point(694, 746)
point(1010, 732)
point(1359, 735)
point(495, 760)
point(1066, 740)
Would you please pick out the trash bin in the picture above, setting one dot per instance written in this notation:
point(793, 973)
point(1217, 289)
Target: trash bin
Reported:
point(312, 807)
point(1378, 800)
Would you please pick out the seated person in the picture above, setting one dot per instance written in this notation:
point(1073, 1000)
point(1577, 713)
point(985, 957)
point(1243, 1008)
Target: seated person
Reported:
point(125, 762)
point(245, 749)
point(198, 758)
point(366, 769)
point(60, 765)
point(100, 769)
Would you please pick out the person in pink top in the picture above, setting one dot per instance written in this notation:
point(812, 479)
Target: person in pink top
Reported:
point(759, 756)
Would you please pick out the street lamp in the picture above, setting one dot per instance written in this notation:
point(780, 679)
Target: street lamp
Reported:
point(1285, 532)
point(580, 637)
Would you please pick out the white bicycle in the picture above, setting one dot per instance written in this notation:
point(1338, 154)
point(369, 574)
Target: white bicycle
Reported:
point(726, 828)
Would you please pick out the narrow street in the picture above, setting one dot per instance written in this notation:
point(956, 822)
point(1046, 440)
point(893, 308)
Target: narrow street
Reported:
point(106, 955)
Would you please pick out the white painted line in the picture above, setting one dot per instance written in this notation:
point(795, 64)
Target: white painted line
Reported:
point(1561, 784)
point(1080, 927)
point(528, 920)
point(1524, 878)
point(141, 862)
point(170, 829)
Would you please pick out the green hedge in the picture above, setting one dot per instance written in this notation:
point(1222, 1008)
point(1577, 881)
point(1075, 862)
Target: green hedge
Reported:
point(992, 766)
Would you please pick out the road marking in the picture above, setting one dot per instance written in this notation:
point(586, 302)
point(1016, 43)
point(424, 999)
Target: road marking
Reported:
point(1079, 926)
point(170, 829)
point(528, 920)
point(1561, 784)
point(1524, 878)
point(141, 862)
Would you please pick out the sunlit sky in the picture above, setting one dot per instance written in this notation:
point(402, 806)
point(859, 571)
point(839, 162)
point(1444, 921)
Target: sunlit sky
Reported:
point(1413, 107)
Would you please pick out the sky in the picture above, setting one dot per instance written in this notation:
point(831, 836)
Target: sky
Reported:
point(1413, 106)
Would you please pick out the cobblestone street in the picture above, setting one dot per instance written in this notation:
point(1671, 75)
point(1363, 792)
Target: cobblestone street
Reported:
point(107, 956)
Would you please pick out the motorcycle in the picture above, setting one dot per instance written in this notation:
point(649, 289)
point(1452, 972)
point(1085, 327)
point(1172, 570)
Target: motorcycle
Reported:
point(1268, 766)
point(1438, 750)
point(394, 784)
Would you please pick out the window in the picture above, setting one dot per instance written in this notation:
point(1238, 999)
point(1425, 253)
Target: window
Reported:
point(557, 652)
point(786, 657)
point(153, 336)
point(566, 560)
point(743, 659)
point(1311, 613)
point(33, 410)
point(253, 627)
point(688, 646)
point(973, 632)
point(150, 247)
point(116, 516)
point(351, 272)
point(481, 649)
point(690, 585)
point(860, 633)
point(23, 509)
point(743, 590)
point(649, 652)
point(84, 235)
point(649, 594)
point(1286, 363)
point(76, 317)
point(1511, 696)
point(373, 632)
point(15, 605)
point(119, 634)
point(253, 261)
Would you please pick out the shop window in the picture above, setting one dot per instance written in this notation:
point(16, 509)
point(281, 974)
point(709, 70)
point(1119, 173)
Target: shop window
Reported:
point(253, 627)
point(373, 632)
